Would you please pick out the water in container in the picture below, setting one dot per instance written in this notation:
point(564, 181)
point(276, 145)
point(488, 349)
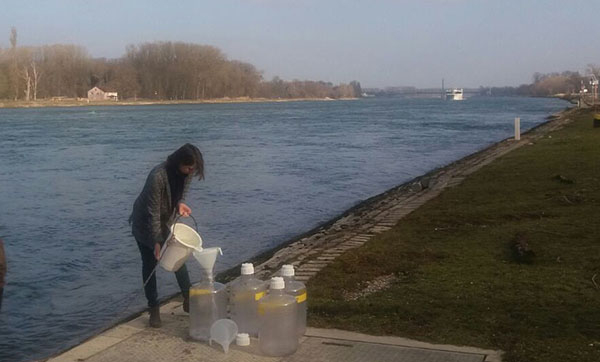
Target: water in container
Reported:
point(278, 316)
point(208, 299)
point(246, 291)
point(297, 290)
point(208, 303)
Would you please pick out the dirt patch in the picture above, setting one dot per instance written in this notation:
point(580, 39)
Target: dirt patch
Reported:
point(371, 287)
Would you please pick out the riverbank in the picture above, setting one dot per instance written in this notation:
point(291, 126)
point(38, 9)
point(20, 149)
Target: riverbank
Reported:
point(315, 250)
point(379, 213)
point(83, 102)
point(505, 258)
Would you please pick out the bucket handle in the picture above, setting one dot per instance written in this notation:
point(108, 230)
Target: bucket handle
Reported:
point(190, 215)
point(170, 235)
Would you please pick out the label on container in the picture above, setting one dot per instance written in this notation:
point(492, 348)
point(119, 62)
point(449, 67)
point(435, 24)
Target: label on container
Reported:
point(301, 298)
point(199, 292)
point(259, 295)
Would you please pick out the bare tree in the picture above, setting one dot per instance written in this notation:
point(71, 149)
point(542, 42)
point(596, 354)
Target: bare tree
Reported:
point(27, 78)
point(14, 74)
point(35, 79)
point(593, 69)
point(159, 70)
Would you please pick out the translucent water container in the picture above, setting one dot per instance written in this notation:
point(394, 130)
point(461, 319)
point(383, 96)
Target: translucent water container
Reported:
point(278, 316)
point(208, 303)
point(297, 290)
point(246, 292)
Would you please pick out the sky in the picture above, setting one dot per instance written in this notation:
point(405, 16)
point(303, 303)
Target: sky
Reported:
point(380, 43)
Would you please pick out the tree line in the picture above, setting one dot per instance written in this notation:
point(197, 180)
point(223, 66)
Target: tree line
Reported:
point(548, 84)
point(156, 70)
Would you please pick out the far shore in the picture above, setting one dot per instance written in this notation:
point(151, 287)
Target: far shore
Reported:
point(84, 102)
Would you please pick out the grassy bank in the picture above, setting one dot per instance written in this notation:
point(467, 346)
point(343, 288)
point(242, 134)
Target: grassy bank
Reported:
point(455, 276)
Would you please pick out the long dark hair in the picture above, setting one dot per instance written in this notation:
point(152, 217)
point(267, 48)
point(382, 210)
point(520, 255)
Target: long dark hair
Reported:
point(188, 155)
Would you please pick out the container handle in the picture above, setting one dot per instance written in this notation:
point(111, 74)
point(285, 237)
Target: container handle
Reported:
point(195, 222)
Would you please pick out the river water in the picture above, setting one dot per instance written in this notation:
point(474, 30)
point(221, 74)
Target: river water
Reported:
point(69, 176)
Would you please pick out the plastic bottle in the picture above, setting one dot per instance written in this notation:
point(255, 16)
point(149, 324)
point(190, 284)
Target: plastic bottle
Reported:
point(245, 294)
point(297, 290)
point(277, 313)
point(208, 303)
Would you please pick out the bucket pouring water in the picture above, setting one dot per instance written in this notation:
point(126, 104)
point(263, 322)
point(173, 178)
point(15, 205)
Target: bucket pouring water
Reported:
point(182, 241)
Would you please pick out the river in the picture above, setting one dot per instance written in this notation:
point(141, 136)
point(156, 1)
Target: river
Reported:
point(69, 176)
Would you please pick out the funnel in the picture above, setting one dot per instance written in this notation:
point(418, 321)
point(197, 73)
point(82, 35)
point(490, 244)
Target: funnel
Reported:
point(207, 258)
point(223, 331)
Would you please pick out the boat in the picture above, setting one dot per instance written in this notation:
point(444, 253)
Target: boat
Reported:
point(455, 94)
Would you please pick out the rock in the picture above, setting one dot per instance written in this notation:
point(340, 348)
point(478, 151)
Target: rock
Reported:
point(521, 250)
point(425, 182)
point(416, 187)
point(563, 180)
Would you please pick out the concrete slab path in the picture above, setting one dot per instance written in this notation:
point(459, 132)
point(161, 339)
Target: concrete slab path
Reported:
point(135, 341)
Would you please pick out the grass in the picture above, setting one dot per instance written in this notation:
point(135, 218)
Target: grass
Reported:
point(457, 279)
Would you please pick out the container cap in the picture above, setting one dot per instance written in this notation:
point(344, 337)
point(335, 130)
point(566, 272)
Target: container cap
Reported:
point(287, 270)
point(247, 269)
point(277, 283)
point(242, 339)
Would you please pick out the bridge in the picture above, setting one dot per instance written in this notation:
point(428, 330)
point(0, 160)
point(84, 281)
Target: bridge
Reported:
point(417, 92)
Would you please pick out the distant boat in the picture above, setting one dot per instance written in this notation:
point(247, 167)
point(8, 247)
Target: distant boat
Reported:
point(455, 94)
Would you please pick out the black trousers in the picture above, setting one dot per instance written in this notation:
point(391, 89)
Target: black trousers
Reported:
point(148, 265)
point(1, 292)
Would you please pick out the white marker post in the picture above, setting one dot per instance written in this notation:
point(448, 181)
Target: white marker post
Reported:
point(517, 129)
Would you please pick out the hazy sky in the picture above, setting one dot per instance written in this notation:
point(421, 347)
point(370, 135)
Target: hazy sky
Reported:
point(377, 42)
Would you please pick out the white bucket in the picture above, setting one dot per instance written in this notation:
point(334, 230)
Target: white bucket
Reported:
point(180, 244)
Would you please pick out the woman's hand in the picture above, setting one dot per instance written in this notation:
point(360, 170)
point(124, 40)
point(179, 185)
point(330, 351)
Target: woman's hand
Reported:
point(184, 210)
point(157, 251)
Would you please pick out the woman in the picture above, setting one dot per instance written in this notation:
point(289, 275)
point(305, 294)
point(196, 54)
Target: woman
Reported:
point(154, 211)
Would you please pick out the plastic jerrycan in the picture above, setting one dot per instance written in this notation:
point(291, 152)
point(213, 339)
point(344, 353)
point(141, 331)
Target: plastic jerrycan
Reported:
point(246, 291)
point(208, 303)
point(277, 313)
point(297, 290)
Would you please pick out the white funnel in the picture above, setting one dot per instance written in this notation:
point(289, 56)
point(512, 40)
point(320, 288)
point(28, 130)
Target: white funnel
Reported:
point(223, 331)
point(207, 258)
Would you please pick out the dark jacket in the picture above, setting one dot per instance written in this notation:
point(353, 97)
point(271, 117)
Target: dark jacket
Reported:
point(153, 211)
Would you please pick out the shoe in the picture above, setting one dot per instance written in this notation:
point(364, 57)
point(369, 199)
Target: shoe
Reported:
point(186, 304)
point(155, 321)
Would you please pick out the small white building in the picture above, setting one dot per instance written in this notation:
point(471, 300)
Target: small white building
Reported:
point(99, 94)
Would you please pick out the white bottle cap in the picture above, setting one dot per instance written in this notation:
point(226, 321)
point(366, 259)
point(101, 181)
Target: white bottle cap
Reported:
point(287, 270)
point(277, 283)
point(242, 339)
point(247, 269)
